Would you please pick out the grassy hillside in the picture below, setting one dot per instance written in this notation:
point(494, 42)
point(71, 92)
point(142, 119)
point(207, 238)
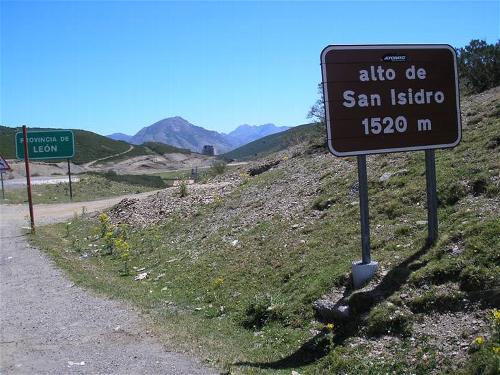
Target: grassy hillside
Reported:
point(276, 142)
point(162, 148)
point(7, 143)
point(89, 146)
point(235, 268)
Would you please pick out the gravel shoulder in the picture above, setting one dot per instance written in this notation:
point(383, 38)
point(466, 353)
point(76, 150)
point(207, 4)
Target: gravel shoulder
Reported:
point(50, 326)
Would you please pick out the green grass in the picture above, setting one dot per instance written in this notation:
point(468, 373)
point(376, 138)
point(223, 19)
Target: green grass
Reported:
point(162, 148)
point(248, 308)
point(155, 182)
point(89, 188)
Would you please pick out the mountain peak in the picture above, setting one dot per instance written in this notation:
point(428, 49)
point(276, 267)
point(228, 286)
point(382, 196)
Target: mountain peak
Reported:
point(179, 132)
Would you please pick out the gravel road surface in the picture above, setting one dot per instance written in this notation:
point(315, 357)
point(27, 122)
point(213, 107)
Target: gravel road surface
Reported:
point(50, 326)
point(21, 182)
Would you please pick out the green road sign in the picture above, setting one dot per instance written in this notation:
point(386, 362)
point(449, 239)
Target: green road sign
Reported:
point(46, 144)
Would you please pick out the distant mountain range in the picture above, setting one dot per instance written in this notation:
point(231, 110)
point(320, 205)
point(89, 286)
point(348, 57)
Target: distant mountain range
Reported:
point(245, 133)
point(179, 132)
point(120, 137)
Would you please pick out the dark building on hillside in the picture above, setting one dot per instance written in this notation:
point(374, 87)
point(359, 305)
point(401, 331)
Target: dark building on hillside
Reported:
point(208, 150)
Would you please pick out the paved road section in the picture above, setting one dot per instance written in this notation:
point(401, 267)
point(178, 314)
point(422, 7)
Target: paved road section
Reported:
point(50, 326)
point(21, 182)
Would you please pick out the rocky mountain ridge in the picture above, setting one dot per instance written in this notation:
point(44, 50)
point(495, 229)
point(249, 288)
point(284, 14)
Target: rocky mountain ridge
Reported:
point(178, 132)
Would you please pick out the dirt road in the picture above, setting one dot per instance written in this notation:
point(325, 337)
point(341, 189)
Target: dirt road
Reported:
point(88, 165)
point(50, 326)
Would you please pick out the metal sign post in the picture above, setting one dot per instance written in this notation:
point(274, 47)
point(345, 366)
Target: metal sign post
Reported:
point(430, 178)
point(3, 192)
point(69, 177)
point(4, 166)
point(363, 210)
point(28, 179)
point(390, 98)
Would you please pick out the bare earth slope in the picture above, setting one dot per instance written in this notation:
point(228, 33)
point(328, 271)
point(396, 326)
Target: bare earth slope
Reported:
point(49, 325)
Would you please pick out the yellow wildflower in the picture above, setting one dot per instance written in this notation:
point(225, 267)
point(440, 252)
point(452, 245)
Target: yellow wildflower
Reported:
point(218, 282)
point(496, 349)
point(103, 218)
point(330, 326)
point(479, 340)
point(496, 315)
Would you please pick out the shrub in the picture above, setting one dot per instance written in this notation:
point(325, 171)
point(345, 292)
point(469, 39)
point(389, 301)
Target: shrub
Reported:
point(323, 203)
point(479, 66)
point(183, 189)
point(105, 224)
point(218, 167)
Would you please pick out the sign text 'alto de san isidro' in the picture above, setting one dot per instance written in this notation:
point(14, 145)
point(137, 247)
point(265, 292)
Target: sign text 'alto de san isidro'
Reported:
point(387, 98)
point(46, 144)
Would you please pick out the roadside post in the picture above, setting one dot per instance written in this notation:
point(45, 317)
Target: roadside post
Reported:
point(69, 178)
point(390, 98)
point(41, 145)
point(28, 179)
point(4, 166)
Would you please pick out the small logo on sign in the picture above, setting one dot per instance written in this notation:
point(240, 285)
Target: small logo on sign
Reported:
point(394, 58)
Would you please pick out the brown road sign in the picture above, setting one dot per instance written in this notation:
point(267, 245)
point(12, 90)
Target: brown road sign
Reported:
point(388, 98)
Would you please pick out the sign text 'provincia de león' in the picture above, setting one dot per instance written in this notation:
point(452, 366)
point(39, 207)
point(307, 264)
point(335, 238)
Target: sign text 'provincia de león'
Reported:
point(47, 144)
point(387, 98)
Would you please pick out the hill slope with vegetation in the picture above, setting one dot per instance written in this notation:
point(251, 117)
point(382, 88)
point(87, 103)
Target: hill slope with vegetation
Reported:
point(275, 142)
point(246, 270)
point(90, 146)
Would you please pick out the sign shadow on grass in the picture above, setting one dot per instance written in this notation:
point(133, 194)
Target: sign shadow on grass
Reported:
point(320, 345)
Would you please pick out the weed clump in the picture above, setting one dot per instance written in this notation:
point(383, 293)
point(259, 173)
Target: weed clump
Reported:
point(323, 203)
point(445, 298)
point(183, 189)
point(218, 167)
point(389, 319)
point(105, 224)
point(485, 358)
point(450, 194)
point(260, 311)
point(123, 249)
point(474, 278)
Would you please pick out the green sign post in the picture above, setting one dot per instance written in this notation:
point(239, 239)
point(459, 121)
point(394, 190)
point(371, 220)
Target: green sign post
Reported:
point(46, 144)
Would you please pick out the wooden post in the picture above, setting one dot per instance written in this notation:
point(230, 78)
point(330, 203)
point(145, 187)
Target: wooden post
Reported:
point(28, 178)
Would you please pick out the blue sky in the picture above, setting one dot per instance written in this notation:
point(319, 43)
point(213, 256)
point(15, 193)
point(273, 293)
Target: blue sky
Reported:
point(118, 66)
